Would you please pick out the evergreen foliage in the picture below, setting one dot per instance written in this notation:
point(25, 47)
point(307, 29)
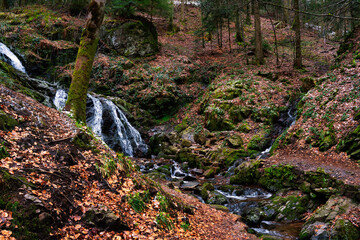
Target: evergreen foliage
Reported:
point(128, 8)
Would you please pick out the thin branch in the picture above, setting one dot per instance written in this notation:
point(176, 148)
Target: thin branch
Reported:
point(313, 14)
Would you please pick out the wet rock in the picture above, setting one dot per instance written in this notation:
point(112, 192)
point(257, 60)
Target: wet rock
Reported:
point(210, 173)
point(235, 141)
point(217, 198)
point(316, 231)
point(189, 185)
point(320, 225)
point(253, 215)
point(104, 219)
point(197, 171)
point(189, 178)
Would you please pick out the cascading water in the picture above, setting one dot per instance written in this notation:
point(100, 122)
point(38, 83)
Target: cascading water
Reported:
point(103, 116)
point(9, 57)
point(108, 122)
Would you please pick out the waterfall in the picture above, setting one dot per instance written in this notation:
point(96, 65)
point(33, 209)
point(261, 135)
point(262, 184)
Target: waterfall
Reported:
point(109, 123)
point(103, 116)
point(9, 57)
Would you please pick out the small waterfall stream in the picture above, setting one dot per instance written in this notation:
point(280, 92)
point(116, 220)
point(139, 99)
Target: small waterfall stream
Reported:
point(103, 116)
point(9, 57)
point(109, 123)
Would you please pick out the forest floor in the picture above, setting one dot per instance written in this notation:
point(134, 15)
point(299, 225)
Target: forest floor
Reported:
point(63, 176)
point(318, 56)
point(65, 183)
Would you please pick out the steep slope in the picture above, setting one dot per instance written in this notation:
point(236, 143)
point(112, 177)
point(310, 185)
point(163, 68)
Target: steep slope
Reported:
point(58, 181)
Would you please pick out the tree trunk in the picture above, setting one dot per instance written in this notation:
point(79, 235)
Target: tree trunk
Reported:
point(248, 19)
point(285, 11)
point(4, 4)
point(296, 27)
point(238, 27)
point(76, 102)
point(171, 19)
point(259, 55)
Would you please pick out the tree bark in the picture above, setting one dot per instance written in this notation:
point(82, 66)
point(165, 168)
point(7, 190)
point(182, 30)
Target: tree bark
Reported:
point(296, 27)
point(76, 102)
point(285, 11)
point(259, 55)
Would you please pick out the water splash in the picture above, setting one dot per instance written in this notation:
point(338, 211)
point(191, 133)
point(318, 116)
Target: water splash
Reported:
point(60, 99)
point(11, 58)
point(109, 123)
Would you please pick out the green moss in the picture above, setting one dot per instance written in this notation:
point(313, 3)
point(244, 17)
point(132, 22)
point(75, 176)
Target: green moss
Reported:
point(247, 173)
point(25, 223)
point(277, 177)
point(344, 229)
point(258, 143)
point(350, 144)
point(83, 140)
point(7, 122)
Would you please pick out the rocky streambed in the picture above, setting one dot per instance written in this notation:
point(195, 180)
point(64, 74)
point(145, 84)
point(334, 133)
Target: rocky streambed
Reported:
point(277, 202)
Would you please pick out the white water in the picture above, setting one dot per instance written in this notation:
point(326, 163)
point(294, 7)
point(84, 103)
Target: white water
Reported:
point(14, 61)
point(109, 123)
point(253, 194)
point(95, 120)
point(188, 2)
point(60, 99)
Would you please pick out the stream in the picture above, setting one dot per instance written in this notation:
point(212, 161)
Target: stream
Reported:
point(238, 199)
point(106, 120)
point(110, 124)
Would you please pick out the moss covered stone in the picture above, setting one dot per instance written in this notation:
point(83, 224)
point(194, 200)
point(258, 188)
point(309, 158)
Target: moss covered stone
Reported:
point(133, 38)
point(277, 177)
point(247, 173)
point(7, 122)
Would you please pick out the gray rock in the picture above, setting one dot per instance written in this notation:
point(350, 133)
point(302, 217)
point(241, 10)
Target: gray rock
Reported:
point(135, 38)
point(104, 219)
point(189, 185)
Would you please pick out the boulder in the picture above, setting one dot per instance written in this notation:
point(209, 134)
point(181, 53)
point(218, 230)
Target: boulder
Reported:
point(133, 38)
point(104, 219)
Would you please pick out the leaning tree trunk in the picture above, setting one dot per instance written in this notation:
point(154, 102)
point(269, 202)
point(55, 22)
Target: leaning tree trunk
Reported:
point(76, 102)
point(296, 27)
point(259, 55)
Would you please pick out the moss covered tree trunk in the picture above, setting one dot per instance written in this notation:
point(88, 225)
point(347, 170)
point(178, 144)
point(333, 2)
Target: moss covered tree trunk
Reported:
point(76, 102)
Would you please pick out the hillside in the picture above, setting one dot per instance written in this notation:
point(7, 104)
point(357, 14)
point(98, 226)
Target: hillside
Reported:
point(265, 151)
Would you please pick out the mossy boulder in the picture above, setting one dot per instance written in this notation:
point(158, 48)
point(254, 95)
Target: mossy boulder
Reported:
point(277, 177)
point(132, 38)
point(259, 143)
point(247, 173)
point(210, 173)
point(326, 221)
point(217, 198)
point(216, 121)
point(344, 229)
point(104, 219)
point(290, 207)
point(7, 122)
point(193, 159)
point(235, 141)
